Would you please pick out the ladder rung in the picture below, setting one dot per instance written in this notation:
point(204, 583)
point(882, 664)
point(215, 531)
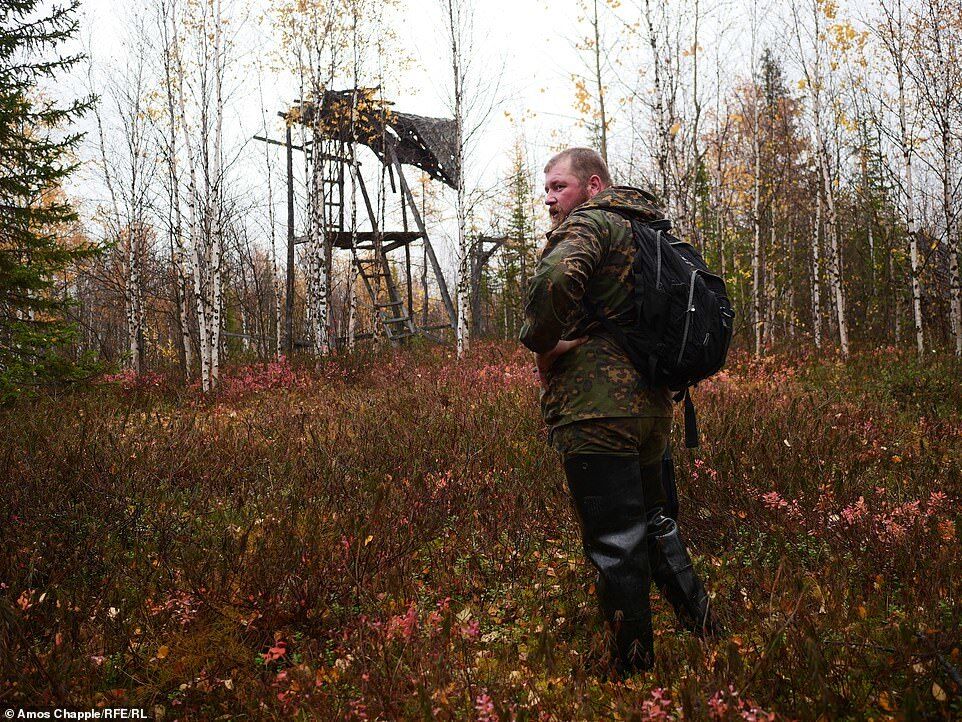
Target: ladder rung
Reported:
point(389, 304)
point(399, 319)
point(372, 275)
point(399, 336)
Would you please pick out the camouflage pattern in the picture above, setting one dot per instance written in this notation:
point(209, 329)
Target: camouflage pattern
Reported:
point(590, 252)
point(644, 438)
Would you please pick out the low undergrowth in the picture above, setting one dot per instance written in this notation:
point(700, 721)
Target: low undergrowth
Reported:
point(388, 537)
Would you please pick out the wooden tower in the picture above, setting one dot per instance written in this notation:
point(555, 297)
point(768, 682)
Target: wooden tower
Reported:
point(338, 123)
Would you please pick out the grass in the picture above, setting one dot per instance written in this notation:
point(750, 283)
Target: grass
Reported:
point(388, 537)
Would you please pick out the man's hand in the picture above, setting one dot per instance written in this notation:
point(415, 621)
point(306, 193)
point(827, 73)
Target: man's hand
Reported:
point(546, 360)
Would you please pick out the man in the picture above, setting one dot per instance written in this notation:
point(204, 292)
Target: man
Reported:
point(609, 426)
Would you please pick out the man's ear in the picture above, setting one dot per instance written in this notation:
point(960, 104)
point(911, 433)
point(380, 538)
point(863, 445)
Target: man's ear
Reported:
point(594, 185)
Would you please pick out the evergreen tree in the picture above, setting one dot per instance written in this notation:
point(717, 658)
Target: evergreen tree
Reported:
point(517, 257)
point(35, 158)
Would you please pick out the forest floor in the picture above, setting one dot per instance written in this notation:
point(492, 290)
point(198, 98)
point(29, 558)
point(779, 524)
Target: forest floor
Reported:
point(388, 537)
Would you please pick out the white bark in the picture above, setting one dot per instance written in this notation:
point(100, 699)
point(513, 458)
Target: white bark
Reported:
point(205, 182)
point(835, 261)
point(178, 250)
point(815, 77)
point(455, 21)
point(756, 199)
point(217, 190)
point(127, 226)
point(951, 239)
point(893, 37)
point(316, 241)
point(816, 274)
point(353, 270)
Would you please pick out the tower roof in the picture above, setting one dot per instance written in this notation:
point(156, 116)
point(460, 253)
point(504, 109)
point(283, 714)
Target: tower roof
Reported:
point(426, 143)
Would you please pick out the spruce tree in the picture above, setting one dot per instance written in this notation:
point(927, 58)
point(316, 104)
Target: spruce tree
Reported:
point(517, 260)
point(36, 156)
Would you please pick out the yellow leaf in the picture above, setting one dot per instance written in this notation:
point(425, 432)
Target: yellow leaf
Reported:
point(884, 702)
point(938, 692)
point(163, 652)
point(673, 130)
point(369, 539)
point(862, 611)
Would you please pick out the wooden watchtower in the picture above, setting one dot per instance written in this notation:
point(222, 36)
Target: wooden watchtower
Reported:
point(338, 123)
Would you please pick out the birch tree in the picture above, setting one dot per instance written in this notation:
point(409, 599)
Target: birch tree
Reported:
point(590, 102)
point(938, 77)
point(198, 88)
point(457, 21)
point(276, 280)
point(756, 190)
point(312, 38)
point(170, 149)
point(127, 169)
point(892, 35)
point(817, 81)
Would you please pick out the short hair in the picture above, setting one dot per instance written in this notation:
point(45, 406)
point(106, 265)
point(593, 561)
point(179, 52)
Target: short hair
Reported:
point(584, 163)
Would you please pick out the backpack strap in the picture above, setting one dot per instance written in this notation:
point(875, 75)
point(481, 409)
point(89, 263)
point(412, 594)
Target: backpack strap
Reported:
point(691, 422)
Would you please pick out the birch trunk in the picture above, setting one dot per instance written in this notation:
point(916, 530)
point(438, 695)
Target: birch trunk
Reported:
point(948, 211)
point(756, 198)
point(831, 229)
point(661, 142)
point(178, 250)
point(353, 270)
point(893, 37)
point(771, 296)
point(602, 117)
point(217, 220)
point(316, 235)
point(835, 261)
point(133, 298)
point(201, 258)
point(815, 77)
point(816, 275)
point(463, 282)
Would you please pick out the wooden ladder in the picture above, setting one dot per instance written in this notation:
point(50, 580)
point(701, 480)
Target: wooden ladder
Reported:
point(372, 264)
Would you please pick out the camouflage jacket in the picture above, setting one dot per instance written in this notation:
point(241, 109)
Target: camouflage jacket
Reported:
point(590, 253)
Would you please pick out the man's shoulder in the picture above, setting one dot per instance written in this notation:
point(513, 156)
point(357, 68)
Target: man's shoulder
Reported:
point(597, 221)
point(608, 224)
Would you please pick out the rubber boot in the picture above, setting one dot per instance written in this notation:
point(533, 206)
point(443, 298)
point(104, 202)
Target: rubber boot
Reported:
point(675, 577)
point(608, 496)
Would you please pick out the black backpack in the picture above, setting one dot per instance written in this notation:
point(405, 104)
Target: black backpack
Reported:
point(685, 318)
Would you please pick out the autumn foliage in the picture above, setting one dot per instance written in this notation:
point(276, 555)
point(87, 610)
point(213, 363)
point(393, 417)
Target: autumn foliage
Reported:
point(388, 537)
